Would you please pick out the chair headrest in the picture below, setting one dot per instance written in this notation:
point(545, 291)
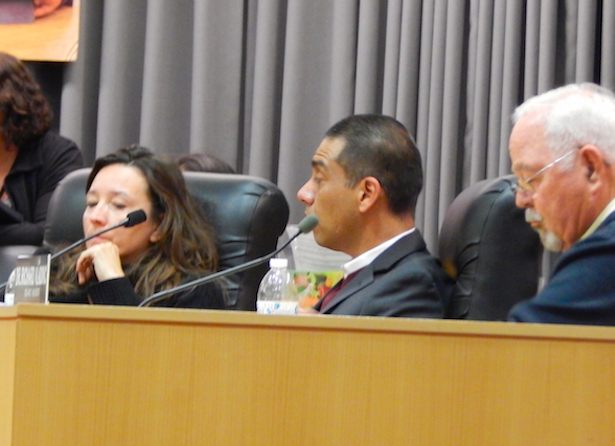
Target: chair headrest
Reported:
point(486, 244)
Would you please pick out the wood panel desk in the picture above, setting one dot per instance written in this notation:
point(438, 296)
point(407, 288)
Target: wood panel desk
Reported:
point(79, 375)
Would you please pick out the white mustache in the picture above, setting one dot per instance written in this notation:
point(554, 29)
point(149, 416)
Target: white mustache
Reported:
point(548, 239)
point(531, 215)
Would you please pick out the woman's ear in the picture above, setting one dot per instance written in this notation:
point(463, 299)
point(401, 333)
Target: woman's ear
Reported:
point(155, 236)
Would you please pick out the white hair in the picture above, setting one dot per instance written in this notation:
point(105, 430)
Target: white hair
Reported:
point(573, 116)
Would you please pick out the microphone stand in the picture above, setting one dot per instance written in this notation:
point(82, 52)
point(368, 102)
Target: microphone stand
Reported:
point(89, 237)
point(203, 280)
point(132, 219)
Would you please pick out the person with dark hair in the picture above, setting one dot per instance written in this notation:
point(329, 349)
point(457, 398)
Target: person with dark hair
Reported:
point(128, 264)
point(201, 162)
point(33, 159)
point(366, 179)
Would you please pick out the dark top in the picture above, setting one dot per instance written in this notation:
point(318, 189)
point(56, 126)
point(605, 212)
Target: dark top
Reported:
point(39, 167)
point(121, 292)
point(403, 281)
point(582, 286)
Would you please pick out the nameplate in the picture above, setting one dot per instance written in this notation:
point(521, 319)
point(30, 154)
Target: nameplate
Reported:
point(29, 281)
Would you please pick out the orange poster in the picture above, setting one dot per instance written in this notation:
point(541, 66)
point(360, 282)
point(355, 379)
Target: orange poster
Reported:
point(43, 30)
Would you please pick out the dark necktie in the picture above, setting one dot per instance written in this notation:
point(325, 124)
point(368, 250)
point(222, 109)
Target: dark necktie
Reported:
point(336, 289)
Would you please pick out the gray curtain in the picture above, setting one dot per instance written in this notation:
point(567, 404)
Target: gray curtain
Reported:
point(258, 82)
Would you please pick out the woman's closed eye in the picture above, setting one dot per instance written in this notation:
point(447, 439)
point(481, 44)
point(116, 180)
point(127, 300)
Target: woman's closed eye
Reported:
point(119, 206)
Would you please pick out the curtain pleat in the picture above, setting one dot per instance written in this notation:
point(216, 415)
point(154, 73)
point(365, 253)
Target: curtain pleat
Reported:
point(482, 15)
point(452, 137)
point(266, 95)
point(547, 45)
point(586, 40)
point(392, 52)
point(511, 79)
point(370, 58)
point(81, 86)
point(422, 120)
point(167, 80)
point(258, 82)
point(121, 76)
point(215, 77)
point(607, 47)
point(406, 109)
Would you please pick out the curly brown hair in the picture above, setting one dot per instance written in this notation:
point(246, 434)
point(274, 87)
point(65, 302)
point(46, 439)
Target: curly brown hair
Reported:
point(25, 113)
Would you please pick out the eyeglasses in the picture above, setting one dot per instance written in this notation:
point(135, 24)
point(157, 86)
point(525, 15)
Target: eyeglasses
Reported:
point(523, 186)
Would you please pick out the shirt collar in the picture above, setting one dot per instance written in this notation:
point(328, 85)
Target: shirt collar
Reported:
point(608, 210)
point(361, 261)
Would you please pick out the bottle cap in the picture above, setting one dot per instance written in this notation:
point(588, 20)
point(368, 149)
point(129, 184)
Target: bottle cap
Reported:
point(278, 263)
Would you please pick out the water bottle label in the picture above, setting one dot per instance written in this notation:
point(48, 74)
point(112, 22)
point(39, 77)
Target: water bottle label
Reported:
point(276, 307)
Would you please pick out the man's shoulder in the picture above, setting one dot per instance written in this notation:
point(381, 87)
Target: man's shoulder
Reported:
point(405, 246)
point(603, 236)
point(407, 252)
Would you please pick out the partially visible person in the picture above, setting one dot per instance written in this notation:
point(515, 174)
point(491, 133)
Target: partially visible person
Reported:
point(43, 8)
point(366, 179)
point(562, 149)
point(126, 265)
point(201, 162)
point(33, 159)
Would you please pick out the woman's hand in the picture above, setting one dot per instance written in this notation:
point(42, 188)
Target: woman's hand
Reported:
point(102, 261)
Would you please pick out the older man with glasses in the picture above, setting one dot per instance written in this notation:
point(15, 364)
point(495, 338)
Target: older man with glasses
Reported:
point(562, 148)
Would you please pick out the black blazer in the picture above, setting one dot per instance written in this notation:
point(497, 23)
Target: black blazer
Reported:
point(403, 281)
point(39, 167)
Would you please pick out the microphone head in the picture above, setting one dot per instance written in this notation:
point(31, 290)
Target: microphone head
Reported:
point(308, 224)
point(135, 218)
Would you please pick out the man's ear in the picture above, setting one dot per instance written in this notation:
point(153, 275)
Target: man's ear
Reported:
point(594, 162)
point(370, 191)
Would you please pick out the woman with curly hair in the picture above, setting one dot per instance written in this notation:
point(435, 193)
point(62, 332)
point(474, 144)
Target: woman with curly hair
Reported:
point(33, 159)
point(124, 266)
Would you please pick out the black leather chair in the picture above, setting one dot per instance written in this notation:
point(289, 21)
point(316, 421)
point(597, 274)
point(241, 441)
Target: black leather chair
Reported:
point(493, 254)
point(8, 259)
point(248, 214)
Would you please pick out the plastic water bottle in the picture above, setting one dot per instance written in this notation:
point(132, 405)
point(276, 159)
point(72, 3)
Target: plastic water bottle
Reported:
point(275, 294)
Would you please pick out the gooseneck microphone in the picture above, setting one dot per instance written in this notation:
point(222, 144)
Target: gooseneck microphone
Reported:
point(305, 226)
point(132, 219)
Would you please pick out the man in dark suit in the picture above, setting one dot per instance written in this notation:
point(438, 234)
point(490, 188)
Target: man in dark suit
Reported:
point(562, 148)
point(366, 178)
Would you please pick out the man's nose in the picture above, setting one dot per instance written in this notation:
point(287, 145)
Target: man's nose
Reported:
point(523, 199)
point(305, 194)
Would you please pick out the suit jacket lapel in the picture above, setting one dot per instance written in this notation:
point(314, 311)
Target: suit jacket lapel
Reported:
point(361, 280)
point(381, 264)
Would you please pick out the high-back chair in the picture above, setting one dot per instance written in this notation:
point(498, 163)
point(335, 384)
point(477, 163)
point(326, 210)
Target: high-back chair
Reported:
point(490, 250)
point(248, 214)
